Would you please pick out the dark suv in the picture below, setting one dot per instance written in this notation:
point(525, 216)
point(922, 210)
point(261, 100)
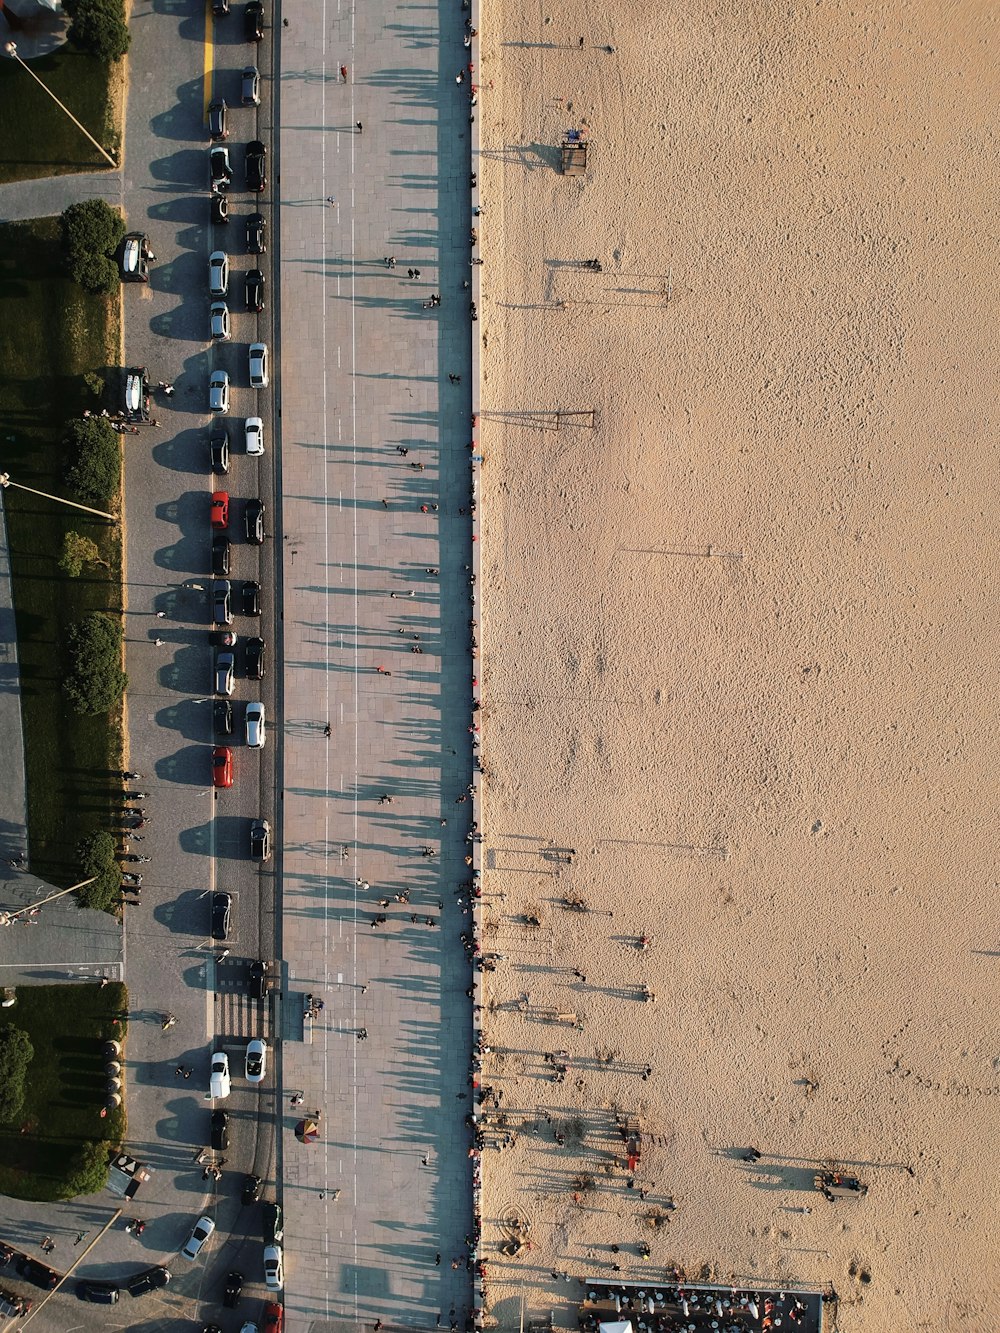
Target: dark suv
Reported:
point(253, 20)
point(256, 166)
point(148, 1280)
point(273, 1230)
point(256, 234)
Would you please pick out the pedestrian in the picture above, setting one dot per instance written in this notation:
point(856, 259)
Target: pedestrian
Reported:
point(409, 272)
point(159, 642)
point(343, 68)
point(751, 1155)
point(297, 1099)
point(187, 1073)
point(360, 129)
point(378, 1325)
point(179, 1071)
point(460, 76)
point(160, 615)
point(455, 379)
point(437, 1261)
point(362, 1034)
point(385, 504)
point(327, 730)
point(401, 449)
point(382, 671)
point(424, 509)
point(168, 389)
point(168, 1021)
point(330, 200)
point(416, 273)
point(79, 1237)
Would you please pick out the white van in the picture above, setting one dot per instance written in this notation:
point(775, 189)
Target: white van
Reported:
point(220, 1085)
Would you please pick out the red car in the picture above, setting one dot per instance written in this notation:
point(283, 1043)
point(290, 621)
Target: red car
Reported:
point(273, 1320)
point(220, 509)
point(222, 766)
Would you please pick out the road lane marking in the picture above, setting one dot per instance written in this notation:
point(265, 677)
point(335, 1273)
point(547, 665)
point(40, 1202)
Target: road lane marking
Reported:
point(209, 62)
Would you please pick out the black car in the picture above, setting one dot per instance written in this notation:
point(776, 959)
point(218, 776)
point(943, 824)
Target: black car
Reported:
point(222, 174)
point(251, 598)
point(101, 1293)
point(222, 909)
point(218, 447)
point(222, 717)
point(255, 659)
point(253, 521)
point(32, 1271)
point(253, 20)
point(151, 1279)
point(255, 290)
point(220, 1130)
point(272, 1228)
point(258, 980)
point(218, 119)
point(252, 1186)
point(260, 840)
point(220, 7)
point(220, 555)
point(234, 1290)
point(256, 166)
point(256, 234)
point(220, 208)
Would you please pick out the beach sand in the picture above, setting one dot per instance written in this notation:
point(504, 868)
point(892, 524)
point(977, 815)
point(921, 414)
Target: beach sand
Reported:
point(737, 647)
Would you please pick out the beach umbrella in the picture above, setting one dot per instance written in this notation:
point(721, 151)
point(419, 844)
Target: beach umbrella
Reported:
point(307, 1131)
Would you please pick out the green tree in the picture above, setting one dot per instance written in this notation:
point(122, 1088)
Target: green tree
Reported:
point(99, 26)
point(16, 1054)
point(79, 551)
point(93, 463)
point(99, 861)
point(91, 233)
point(88, 1171)
point(95, 681)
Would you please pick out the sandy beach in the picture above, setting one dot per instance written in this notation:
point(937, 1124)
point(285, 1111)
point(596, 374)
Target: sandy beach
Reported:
point(739, 696)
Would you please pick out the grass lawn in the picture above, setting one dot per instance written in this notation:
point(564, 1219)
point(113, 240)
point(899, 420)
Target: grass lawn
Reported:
point(51, 332)
point(66, 1086)
point(36, 137)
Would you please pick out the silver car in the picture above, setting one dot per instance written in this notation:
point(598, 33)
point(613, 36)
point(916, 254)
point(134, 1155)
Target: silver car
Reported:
point(218, 273)
point(256, 734)
point(218, 391)
point(225, 674)
point(220, 321)
point(251, 86)
point(258, 366)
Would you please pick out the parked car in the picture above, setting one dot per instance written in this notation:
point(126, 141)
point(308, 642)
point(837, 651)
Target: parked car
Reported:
point(255, 728)
point(203, 1229)
point(219, 208)
point(218, 448)
point(220, 7)
point(221, 548)
point(36, 1273)
point(273, 1226)
point(222, 766)
point(252, 1186)
point(218, 273)
point(222, 612)
point(256, 166)
point(254, 286)
point(256, 234)
point(250, 88)
point(253, 21)
point(222, 172)
point(218, 391)
point(255, 659)
point(150, 1279)
point(222, 717)
point(251, 598)
point(258, 366)
point(219, 321)
point(100, 1293)
point(253, 521)
point(220, 1131)
point(260, 840)
point(272, 1318)
point(135, 257)
point(222, 909)
point(225, 678)
point(137, 394)
point(258, 980)
point(274, 1268)
point(220, 510)
point(219, 1084)
point(256, 1061)
point(234, 1290)
point(253, 433)
point(218, 117)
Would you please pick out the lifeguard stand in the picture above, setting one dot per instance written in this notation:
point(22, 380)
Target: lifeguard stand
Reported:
point(573, 153)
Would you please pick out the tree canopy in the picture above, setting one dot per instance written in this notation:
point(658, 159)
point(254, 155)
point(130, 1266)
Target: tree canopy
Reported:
point(92, 232)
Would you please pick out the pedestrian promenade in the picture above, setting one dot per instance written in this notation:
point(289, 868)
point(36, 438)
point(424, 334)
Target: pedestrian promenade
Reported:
point(374, 468)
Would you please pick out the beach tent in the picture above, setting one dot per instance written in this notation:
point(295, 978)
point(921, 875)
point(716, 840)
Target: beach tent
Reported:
point(617, 1326)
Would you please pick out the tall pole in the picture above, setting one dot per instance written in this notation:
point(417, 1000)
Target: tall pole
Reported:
point(5, 481)
point(11, 49)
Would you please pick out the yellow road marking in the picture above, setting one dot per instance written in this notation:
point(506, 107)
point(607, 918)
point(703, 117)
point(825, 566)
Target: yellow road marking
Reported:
point(209, 53)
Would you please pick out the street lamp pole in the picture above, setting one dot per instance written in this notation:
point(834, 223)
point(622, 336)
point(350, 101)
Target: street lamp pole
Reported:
point(11, 49)
point(5, 481)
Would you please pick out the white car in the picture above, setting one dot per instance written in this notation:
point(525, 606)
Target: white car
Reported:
point(274, 1270)
point(258, 366)
point(203, 1228)
point(255, 726)
point(218, 391)
point(218, 273)
point(255, 437)
point(220, 321)
point(256, 1063)
point(220, 1084)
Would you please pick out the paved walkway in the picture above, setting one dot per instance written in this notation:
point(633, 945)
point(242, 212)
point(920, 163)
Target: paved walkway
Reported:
point(365, 374)
point(48, 197)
